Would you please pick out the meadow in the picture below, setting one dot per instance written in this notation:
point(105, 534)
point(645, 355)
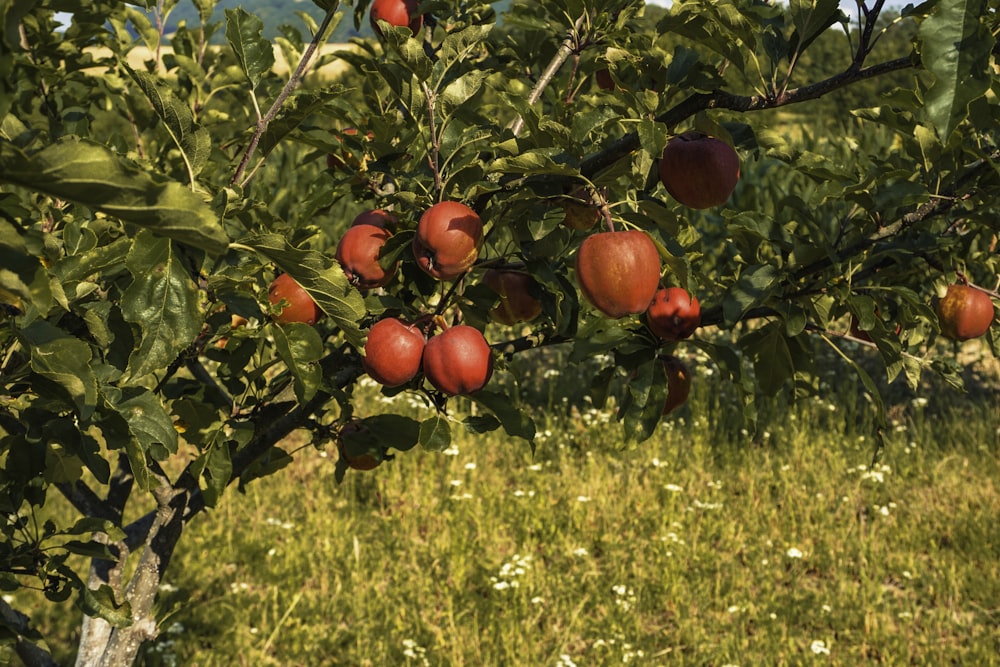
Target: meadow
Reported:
point(707, 545)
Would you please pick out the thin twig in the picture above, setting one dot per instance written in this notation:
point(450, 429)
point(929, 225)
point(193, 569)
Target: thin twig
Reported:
point(290, 85)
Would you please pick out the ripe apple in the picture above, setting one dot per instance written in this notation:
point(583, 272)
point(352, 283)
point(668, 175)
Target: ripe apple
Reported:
point(604, 80)
point(618, 272)
point(355, 431)
point(396, 12)
point(517, 300)
point(580, 213)
point(393, 352)
point(235, 322)
point(674, 314)
point(448, 237)
point(458, 361)
point(299, 306)
point(678, 383)
point(857, 332)
point(964, 312)
point(358, 252)
point(699, 171)
point(376, 217)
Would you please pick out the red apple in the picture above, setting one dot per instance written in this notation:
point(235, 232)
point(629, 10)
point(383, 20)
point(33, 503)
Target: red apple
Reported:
point(448, 237)
point(580, 212)
point(299, 306)
point(396, 12)
point(674, 314)
point(393, 352)
point(604, 80)
point(964, 312)
point(618, 272)
point(517, 300)
point(358, 253)
point(376, 217)
point(678, 383)
point(355, 433)
point(458, 361)
point(699, 171)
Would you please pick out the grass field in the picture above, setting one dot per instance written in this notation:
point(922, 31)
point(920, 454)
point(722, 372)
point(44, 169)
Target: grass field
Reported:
point(703, 546)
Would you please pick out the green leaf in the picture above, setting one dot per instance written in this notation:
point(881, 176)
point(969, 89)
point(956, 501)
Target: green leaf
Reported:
point(90, 174)
point(321, 277)
point(955, 48)
point(244, 32)
point(300, 347)
point(389, 430)
point(435, 434)
point(195, 143)
point(643, 406)
point(162, 301)
point(142, 424)
point(296, 110)
point(65, 360)
point(811, 18)
point(515, 421)
point(100, 603)
point(91, 524)
point(461, 89)
point(772, 357)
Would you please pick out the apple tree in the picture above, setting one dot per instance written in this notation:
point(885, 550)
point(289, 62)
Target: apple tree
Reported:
point(202, 253)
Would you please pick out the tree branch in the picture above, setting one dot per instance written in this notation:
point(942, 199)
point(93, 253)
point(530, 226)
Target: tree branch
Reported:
point(286, 91)
point(721, 99)
point(31, 654)
point(566, 49)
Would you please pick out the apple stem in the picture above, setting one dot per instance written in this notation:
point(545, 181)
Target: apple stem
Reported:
point(608, 220)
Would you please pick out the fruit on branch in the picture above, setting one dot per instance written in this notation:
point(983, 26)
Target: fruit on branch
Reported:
point(346, 158)
point(856, 331)
point(699, 171)
point(604, 80)
point(678, 383)
point(355, 433)
point(580, 213)
point(299, 306)
point(376, 217)
point(964, 312)
point(458, 361)
point(618, 272)
point(674, 314)
point(396, 12)
point(393, 352)
point(359, 247)
point(517, 290)
point(448, 237)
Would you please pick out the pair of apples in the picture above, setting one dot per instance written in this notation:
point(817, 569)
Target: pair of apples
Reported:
point(446, 244)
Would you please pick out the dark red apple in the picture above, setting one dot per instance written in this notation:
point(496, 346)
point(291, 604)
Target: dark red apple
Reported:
point(678, 383)
point(352, 436)
point(618, 272)
point(448, 237)
point(299, 306)
point(358, 253)
point(581, 213)
point(964, 312)
point(604, 80)
point(699, 171)
point(458, 361)
point(393, 352)
point(517, 300)
point(396, 12)
point(376, 217)
point(674, 314)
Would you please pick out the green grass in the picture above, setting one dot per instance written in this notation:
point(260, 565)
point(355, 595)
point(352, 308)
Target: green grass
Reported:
point(702, 546)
